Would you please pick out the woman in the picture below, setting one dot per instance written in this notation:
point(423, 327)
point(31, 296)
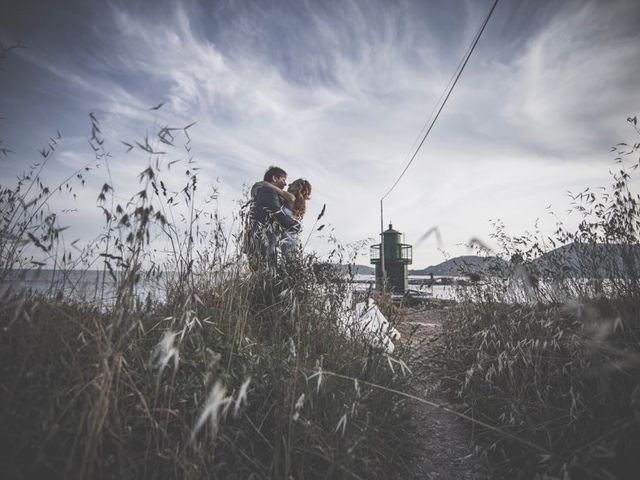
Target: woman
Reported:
point(299, 192)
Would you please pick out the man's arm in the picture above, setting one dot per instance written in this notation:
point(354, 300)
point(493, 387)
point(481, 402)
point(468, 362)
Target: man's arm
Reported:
point(267, 199)
point(283, 194)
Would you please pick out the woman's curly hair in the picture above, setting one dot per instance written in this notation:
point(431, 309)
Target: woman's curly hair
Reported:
point(301, 188)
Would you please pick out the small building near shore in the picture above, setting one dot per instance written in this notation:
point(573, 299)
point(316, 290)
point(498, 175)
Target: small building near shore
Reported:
point(397, 256)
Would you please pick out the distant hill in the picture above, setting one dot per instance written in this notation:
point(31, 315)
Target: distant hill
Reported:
point(464, 265)
point(357, 269)
point(590, 260)
point(576, 259)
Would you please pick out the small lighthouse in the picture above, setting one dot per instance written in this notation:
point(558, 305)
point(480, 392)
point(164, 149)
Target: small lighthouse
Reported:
point(397, 256)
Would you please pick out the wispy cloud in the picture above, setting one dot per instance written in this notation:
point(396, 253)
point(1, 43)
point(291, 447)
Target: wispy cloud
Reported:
point(574, 80)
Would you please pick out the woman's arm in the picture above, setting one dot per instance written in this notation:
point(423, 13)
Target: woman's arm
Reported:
point(286, 196)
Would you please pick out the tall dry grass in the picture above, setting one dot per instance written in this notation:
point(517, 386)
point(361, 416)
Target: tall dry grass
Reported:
point(222, 376)
point(549, 348)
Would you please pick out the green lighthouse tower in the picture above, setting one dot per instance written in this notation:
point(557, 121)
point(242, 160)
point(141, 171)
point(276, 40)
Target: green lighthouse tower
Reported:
point(397, 256)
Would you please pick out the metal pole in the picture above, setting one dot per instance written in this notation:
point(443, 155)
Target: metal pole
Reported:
point(382, 266)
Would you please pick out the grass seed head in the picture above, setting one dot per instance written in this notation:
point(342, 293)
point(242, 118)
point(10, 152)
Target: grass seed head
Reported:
point(213, 410)
point(242, 396)
point(164, 352)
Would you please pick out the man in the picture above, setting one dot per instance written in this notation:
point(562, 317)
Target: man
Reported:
point(267, 221)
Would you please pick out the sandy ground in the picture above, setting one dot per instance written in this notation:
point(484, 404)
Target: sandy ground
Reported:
point(442, 440)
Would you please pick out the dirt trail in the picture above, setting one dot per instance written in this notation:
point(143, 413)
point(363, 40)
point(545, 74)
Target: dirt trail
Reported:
point(442, 440)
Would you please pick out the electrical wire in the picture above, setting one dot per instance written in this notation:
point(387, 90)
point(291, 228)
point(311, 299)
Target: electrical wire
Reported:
point(448, 90)
point(450, 86)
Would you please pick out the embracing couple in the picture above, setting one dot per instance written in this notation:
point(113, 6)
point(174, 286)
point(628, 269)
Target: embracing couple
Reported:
point(275, 215)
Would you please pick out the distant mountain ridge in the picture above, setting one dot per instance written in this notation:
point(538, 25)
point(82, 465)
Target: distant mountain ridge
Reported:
point(463, 265)
point(575, 259)
point(591, 260)
point(458, 266)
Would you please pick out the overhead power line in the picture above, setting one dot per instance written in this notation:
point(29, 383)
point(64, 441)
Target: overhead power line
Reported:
point(446, 94)
point(450, 86)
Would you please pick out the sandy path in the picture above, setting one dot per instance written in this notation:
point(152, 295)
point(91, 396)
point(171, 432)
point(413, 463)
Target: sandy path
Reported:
point(442, 440)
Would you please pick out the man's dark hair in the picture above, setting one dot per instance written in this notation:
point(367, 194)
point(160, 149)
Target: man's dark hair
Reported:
point(273, 172)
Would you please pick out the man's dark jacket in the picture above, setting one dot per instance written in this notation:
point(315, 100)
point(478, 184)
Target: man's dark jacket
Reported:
point(267, 209)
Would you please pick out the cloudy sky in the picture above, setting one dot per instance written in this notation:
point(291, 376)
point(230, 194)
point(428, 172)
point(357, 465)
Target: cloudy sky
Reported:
point(336, 92)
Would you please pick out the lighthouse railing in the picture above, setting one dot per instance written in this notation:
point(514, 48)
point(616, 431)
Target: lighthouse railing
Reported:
point(404, 253)
point(374, 253)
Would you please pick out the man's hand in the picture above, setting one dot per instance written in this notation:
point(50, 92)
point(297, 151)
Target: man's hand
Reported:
point(296, 227)
point(289, 197)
